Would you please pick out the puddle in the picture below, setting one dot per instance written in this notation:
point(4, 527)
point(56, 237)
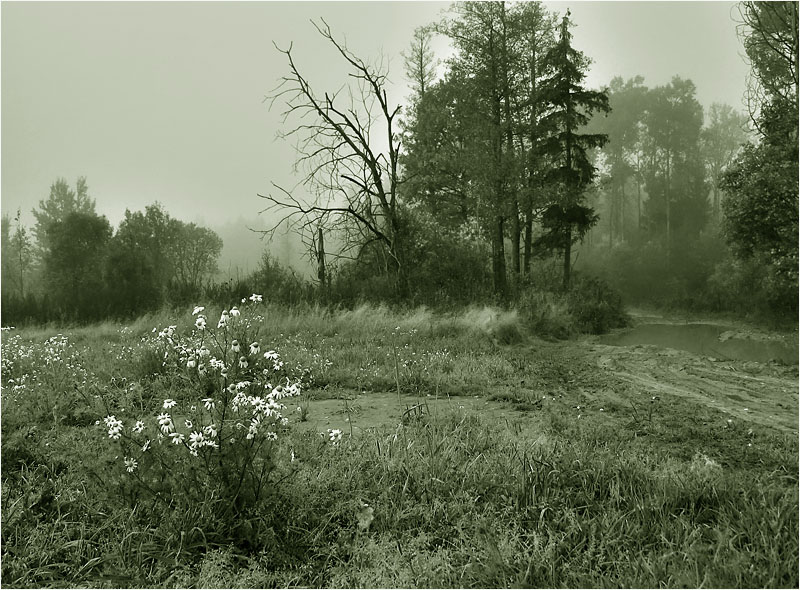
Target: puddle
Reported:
point(709, 340)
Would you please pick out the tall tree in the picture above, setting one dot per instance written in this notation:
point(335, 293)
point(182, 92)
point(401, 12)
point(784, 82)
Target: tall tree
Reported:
point(74, 263)
point(479, 32)
point(722, 138)
point(770, 37)
point(676, 177)
point(62, 201)
point(353, 183)
point(570, 108)
point(761, 208)
point(537, 27)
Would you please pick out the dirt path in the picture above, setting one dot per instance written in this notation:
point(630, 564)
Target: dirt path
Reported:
point(765, 393)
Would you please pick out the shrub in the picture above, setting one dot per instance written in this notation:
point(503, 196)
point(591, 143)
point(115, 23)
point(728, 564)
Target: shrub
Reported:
point(595, 306)
point(546, 313)
point(207, 461)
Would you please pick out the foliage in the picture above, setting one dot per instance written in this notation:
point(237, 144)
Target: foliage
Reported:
point(596, 307)
point(61, 202)
point(86, 273)
point(73, 264)
point(770, 39)
point(140, 261)
point(761, 213)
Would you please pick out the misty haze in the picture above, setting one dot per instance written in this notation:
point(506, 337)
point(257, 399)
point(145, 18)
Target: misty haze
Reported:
point(399, 294)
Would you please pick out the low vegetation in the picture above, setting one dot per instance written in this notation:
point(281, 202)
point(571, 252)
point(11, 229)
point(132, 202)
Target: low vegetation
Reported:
point(573, 487)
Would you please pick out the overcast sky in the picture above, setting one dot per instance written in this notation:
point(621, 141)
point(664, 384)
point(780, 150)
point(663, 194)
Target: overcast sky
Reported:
point(163, 102)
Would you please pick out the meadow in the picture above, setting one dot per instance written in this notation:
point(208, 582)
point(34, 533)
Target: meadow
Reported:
point(378, 448)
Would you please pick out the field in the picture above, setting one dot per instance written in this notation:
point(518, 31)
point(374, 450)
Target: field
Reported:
point(412, 450)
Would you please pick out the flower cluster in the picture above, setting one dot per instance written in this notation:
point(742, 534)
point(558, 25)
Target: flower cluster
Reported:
point(241, 404)
point(114, 427)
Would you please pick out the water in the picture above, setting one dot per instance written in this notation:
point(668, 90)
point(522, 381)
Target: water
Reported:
point(704, 339)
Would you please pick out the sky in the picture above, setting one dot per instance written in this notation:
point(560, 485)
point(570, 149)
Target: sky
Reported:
point(155, 101)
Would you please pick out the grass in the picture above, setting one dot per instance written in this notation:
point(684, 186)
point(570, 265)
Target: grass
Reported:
point(532, 484)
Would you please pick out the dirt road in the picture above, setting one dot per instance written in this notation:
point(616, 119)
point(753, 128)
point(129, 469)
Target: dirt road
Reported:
point(765, 393)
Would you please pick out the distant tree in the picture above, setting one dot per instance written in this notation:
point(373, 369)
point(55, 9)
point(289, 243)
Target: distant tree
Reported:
point(570, 108)
point(675, 175)
point(141, 260)
point(74, 263)
point(7, 258)
point(721, 139)
point(623, 125)
point(62, 201)
point(196, 250)
point(17, 256)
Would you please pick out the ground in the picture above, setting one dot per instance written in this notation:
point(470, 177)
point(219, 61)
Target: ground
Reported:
point(469, 456)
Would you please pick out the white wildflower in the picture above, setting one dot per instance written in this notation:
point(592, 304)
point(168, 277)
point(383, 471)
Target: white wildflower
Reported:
point(335, 435)
point(131, 464)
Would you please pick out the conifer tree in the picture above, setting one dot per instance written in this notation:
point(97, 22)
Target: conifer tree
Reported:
point(570, 108)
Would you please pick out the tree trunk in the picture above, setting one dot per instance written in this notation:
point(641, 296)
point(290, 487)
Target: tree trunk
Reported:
point(499, 258)
point(321, 259)
point(668, 207)
point(515, 238)
point(639, 204)
point(528, 237)
point(567, 256)
point(622, 213)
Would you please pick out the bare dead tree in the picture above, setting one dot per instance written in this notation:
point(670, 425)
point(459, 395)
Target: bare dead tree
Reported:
point(351, 182)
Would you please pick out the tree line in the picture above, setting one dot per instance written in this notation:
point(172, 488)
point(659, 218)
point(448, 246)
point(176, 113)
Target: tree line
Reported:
point(700, 209)
point(501, 173)
point(503, 158)
point(73, 266)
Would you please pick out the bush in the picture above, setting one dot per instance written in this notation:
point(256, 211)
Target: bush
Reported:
point(208, 461)
point(546, 313)
point(595, 306)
